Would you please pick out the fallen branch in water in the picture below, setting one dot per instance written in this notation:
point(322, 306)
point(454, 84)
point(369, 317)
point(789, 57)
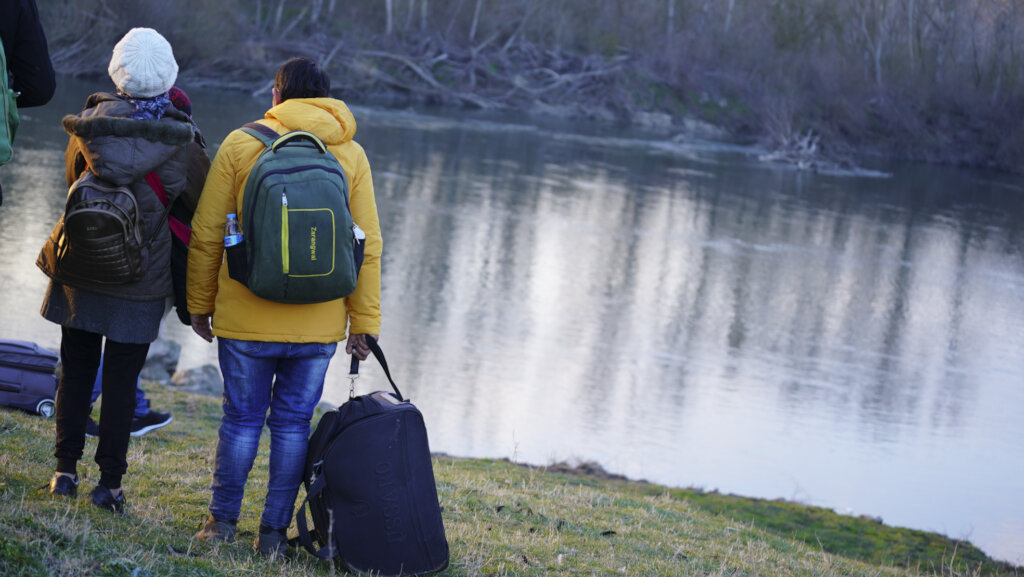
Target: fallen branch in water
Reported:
point(803, 153)
point(437, 87)
point(800, 151)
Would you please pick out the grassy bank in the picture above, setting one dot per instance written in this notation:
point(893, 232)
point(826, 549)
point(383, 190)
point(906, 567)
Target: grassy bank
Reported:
point(501, 519)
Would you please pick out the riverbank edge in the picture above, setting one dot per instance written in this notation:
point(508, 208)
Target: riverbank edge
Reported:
point(684, 132)
point(679, 116)
point(497, 514)
point(618, 100)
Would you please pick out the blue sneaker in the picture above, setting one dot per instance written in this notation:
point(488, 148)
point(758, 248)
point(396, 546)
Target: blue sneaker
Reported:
point(92, 430)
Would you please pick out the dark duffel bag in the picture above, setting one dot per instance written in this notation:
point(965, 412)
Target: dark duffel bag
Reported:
point(27, 377)
point(370, 487)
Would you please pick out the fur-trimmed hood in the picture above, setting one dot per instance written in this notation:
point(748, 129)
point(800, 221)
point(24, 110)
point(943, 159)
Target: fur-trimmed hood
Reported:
point(121, 149)
point(175, 133)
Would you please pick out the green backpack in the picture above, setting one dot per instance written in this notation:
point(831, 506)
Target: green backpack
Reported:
point(301, 245)
point(8, 111)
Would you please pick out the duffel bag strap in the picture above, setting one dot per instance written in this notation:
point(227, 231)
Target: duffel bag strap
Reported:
point(379, 354)
point(305, 538)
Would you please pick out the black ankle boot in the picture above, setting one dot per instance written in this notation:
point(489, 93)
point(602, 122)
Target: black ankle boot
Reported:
point(64, 485)
point(104, 499)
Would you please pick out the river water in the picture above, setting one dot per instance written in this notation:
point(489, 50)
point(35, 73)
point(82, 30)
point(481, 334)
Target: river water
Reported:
point(677, 312)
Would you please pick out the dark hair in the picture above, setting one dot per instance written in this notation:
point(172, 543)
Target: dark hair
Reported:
point(301, 78)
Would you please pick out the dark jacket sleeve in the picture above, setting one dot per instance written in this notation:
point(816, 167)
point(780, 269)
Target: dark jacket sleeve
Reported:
point(28, 57)
point(198, 166)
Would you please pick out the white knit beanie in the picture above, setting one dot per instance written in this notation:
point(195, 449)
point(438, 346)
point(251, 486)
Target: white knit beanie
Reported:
point(143, 64)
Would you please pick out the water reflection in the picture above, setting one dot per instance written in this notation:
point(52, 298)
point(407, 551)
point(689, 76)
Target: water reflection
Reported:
point(675, 312)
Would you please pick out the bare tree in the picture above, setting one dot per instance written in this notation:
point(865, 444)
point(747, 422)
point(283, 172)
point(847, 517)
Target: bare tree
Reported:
point(670, 21)
point(874, 19)
point(277, 16)
point(911, 34)
point(389, 22)
point(476, 20)
point(454, 17)
point(410, 12)
point(728, 16)
point(943, 15)
point(1005, 40)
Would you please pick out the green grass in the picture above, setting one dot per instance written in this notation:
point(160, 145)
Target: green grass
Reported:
point(856, 537)
point(501, 519)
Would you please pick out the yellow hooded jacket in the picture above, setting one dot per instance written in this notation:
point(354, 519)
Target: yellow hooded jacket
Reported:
point(239, 314)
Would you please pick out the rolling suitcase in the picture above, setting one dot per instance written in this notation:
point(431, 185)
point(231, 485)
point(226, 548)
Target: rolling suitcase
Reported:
point(370, 487)
point(27, 377)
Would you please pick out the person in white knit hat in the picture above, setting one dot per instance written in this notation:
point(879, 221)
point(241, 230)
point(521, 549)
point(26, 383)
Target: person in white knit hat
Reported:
point(143, 64)
point(135, 138)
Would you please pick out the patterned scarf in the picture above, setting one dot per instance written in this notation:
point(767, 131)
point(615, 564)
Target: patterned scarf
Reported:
point(148, 108)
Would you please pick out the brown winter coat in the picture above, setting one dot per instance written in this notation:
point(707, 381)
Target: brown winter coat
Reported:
point(122, 150)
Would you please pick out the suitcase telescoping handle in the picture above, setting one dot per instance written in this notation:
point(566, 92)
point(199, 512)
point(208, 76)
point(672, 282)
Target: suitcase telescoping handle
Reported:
point(379, 354)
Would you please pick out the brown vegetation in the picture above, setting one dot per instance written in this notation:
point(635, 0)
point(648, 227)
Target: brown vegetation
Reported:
point(934, 80)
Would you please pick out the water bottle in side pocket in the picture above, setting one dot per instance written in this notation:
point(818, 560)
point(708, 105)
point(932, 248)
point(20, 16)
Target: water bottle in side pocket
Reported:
point(234, 247)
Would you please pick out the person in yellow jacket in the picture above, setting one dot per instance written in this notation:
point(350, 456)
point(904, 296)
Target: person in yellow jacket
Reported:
point(274, 356)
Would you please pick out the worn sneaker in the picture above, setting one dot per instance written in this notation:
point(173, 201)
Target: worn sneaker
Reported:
point(149, 421)
point(271, 543)
point(64, 485)
point(214, 530)
point(103, 498)
point(92, 429)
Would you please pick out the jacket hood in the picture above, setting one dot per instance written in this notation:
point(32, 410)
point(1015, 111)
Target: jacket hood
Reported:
point(328, 118)
point(121, 149)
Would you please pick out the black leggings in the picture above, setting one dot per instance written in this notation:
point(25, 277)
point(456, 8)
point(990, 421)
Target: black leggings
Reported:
point(80, 360)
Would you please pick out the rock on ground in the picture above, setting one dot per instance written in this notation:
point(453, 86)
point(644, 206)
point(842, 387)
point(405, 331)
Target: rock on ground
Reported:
point(162, 361)
point(204, 380)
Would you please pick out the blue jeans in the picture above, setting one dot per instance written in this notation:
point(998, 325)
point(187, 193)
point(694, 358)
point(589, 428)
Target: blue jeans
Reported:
point(286, 379)
point(141, 402)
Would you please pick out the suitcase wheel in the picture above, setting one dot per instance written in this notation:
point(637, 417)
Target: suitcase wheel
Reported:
point(45, 408)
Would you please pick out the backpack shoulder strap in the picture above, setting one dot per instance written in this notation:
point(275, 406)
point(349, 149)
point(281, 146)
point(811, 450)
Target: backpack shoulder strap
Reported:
point(178, 228)
point(154, 182)
point(264, 134)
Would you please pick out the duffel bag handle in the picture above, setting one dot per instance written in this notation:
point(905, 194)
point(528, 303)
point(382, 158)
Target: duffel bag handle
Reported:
point(379, 354)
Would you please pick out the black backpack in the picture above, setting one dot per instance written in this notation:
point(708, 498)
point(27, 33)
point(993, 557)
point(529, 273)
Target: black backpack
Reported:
point(370, 487)
point(100, 238)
